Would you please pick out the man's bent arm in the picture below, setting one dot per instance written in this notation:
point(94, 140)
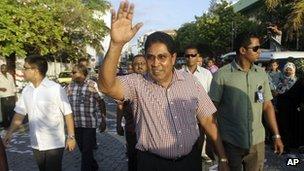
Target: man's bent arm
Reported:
point(16, 122)
point(121, 32)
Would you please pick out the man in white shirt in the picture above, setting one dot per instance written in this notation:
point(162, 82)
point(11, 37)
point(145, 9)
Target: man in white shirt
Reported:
point(46, 104)
point(7, 96)
point(204, 76)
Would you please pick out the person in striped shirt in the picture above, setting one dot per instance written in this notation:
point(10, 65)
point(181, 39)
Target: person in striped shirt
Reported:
point(166, 102)
point(88, 107)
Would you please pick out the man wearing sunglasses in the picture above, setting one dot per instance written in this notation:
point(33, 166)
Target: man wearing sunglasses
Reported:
point(241, 92)
point(204, 77)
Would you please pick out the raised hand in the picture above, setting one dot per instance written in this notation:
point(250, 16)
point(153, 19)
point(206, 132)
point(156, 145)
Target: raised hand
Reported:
point(121, 24)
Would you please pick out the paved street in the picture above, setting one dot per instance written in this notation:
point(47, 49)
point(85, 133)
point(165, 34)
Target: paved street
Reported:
point(111, 152)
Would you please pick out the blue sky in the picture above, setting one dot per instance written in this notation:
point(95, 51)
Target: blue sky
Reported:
point(164, 14)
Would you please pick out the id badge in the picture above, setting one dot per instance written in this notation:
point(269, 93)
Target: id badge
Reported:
point(259, 96)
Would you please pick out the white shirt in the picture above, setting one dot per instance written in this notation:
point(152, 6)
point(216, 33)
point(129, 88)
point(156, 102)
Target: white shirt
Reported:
point(8, 83)
point(46, 106)
point(203, 75)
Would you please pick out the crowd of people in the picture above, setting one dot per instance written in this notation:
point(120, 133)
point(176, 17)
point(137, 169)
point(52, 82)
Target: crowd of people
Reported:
point(173, 117)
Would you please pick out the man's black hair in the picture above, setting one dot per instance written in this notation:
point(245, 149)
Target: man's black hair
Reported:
point(38, 61)
point(161, 37)
point(243, 40)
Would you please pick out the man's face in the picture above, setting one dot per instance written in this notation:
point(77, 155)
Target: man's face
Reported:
point(29, 71)
point(253, 51)
point(139, 65)
point(4, 69)
point(160, 62)
point(77, 76)
point(191, 57)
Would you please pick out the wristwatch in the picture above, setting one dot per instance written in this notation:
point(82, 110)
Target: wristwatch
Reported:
point(72, 137)
point(224, 160)
point(276, 136)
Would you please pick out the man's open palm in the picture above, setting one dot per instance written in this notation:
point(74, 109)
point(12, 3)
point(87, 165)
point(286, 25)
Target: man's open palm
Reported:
point(121, 24)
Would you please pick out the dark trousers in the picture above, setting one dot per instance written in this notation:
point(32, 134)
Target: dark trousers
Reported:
point(49, 160)
point(245, 159)
point(86, 139)
point(150, 162)
point(131, 150)
point(7, 106)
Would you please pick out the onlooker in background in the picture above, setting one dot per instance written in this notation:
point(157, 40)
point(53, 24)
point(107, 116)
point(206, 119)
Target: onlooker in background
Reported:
point(274, 75)
point(88, 107)
point(124, 109)
point(211, 65)
point(289, 78)
point(286, 104)
point(275, 37)
point(91, 72)
point(47, 105)
point(7, 95)
point(241, 92)
point(204, 76)
point(200, 61)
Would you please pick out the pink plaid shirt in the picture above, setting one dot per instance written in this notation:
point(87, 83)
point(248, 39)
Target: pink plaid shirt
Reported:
point(166, 119)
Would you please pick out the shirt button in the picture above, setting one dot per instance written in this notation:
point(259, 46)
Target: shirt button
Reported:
point(180, 132)
point(181, 146)
point(175, 117)
point(171, 103)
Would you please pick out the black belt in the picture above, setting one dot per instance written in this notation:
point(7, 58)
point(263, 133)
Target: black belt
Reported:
point(163, 158)
point(177, 159)
point(8, 98)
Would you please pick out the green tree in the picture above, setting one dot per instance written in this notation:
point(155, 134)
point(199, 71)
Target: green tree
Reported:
point(294, 18)
point(215, 29)
point(51, 27)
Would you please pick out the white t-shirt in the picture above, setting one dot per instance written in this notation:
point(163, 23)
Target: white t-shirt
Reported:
point(8, 83)
point(46, 106)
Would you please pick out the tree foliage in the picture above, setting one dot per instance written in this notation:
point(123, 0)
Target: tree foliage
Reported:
point(53, 27)
point(215, 29)
point(295, 16)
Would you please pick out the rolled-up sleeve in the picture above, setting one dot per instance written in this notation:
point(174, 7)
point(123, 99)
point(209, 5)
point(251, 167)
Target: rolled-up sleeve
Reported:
point(129, 83)
point(20, 107)
point(63, 102)
point(216, 89)
point(267, 91)
point(205, 105)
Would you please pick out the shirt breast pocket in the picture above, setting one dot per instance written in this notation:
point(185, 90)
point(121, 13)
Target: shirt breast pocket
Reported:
point(48, 111)
point(189, 111)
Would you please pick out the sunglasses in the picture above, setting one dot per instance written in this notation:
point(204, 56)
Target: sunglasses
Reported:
point(255, 48)
point(190, 55)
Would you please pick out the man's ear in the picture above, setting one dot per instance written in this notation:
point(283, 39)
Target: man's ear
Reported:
point(242, 50)
point(174, 58)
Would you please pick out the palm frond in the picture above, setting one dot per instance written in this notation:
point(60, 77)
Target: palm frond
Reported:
point(271, 4)
point(296, 17)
